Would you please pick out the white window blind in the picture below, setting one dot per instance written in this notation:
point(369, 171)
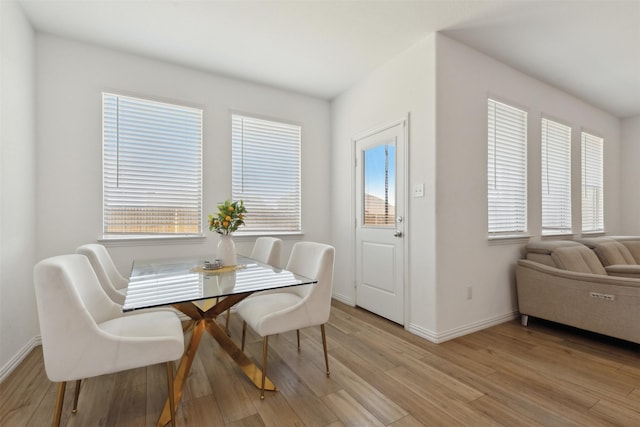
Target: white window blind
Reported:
point(556, 178)
point(592, 186)
point(152, 167)
point(266, 173)
point(507, 169)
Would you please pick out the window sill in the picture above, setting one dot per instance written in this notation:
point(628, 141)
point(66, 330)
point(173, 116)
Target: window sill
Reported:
point(129, 240)
point(593, 233)
point(509, 239)
point(558, 236)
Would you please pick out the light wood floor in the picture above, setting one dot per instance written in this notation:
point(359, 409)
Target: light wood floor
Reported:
point(508, 375)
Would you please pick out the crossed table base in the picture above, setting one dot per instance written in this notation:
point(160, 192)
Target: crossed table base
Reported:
point(203, 315)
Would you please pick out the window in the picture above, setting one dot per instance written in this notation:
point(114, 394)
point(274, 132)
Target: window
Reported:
point(556, 178)
point(507, 169)
point(266, 173)
point(592, 187)
point(152, 167)
point(379, 164)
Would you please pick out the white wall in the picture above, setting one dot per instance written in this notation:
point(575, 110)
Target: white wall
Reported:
point(444, 86)
point(403, 86)
point(70, 78)
point(18, 212)
point(630, 182)
point(465, 78)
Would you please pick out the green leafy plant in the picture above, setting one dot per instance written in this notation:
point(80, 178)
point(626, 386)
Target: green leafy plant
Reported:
point(230, 216)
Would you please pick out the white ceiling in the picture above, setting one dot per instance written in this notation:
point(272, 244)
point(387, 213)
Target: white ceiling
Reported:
point(590, 49)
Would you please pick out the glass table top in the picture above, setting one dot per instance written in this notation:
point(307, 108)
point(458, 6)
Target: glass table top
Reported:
point(160, 282)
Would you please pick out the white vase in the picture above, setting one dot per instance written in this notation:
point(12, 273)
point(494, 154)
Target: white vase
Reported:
point(226, 251)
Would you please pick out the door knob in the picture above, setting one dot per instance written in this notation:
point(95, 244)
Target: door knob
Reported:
point(397, 233)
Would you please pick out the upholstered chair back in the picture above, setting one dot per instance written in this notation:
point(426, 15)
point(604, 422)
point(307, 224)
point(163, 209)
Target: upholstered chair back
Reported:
point(110, 278)
point(267, 250)
point(314, 260)
point(71, 303)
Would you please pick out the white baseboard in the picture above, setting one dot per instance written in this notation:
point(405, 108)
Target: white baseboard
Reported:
point(344, 299)
point(439, 337)
point(19, 357)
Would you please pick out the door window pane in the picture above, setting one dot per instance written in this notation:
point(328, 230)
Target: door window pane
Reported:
point(379, 185)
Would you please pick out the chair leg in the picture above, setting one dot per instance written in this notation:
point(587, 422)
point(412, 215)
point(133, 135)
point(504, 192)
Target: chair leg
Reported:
point(172, 408)
point(324, 346)
point(244, 334)
point(75, 397)
point(298, 336)
point(57, 412)
point(265, 347)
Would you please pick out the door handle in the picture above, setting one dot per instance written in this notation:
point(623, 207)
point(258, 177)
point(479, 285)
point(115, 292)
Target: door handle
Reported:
point(397, 233)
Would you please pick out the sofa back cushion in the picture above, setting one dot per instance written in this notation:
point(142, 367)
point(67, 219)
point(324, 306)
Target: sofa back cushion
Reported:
point(540, 251)
point(613, 253)
point(633, 244)
point(579, 259)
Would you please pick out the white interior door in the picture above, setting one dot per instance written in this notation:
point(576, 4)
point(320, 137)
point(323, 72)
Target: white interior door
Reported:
point(380, 222)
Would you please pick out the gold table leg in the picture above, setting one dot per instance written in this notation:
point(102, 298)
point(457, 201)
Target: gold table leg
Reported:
point(205, 320)
point(182, 373)
point(248, 367)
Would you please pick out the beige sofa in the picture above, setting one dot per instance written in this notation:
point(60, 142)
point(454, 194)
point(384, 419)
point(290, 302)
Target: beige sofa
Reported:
point(565, 282)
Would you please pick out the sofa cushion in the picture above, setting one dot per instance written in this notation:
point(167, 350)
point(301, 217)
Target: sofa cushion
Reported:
point(592, 242)
point(579, 259)
point(540, 251)
point(613, 253)
point(633, 244)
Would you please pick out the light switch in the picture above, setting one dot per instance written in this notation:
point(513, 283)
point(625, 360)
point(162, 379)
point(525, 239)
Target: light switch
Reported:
point(418, 190)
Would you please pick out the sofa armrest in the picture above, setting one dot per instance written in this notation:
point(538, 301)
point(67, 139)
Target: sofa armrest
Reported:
point(624, 270)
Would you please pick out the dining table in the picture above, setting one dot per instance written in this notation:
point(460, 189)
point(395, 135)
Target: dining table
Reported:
point(195, 287)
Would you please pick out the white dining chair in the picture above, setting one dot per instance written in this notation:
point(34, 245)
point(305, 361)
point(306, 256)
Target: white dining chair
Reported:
point(110, 278)
point(112, 281)
point(266, 250)
point(295, 307)
point(85, 334)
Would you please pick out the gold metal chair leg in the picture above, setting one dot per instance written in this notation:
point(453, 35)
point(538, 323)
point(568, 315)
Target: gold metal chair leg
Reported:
point(172, 409)
point(244, 334)
point(75, 397)
point(226, 322)
point(57, 412)
point(324, 346)
point(298, 336)
point(265, 347)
